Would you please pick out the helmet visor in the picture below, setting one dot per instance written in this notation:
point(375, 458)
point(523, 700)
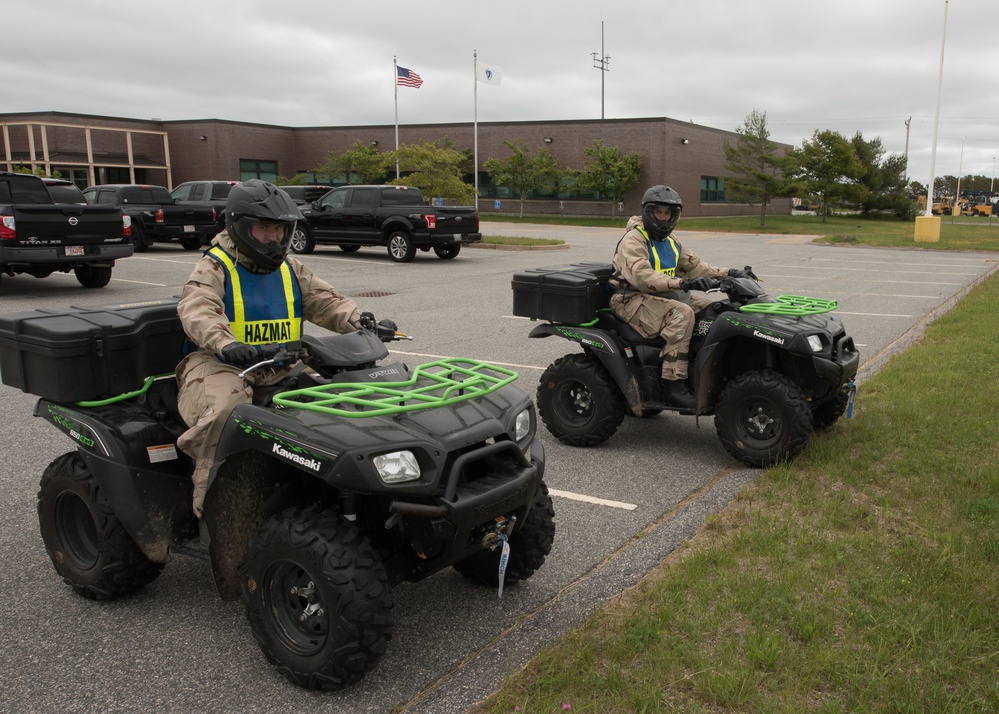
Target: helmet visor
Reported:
point(265, 239)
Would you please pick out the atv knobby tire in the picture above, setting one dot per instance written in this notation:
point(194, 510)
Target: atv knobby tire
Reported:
point(87, 543)
point(317, 598)
point(529, 545)
point(829, 413)
point(579, 402)
point(763, 418)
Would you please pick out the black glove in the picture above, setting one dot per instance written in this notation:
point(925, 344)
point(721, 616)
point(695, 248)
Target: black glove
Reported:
point(388, 325)
point(240, 355)
point(702, 284)
point(746, 272)
point(368, 320)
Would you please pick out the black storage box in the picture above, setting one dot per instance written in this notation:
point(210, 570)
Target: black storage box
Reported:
point(568, 293)
point(85, 353)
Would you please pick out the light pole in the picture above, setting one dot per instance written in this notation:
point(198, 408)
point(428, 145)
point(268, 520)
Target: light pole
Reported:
point(928, 229)
point(603, 64)
point(992, 188)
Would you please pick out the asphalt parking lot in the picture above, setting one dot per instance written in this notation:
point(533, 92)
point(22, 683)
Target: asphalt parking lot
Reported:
point(620, 507)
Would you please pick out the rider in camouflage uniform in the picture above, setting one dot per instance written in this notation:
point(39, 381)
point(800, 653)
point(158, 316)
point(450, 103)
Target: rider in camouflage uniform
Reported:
point(245, 285)
point(660, 286)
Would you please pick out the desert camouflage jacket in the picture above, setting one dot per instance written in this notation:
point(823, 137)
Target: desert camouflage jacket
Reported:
point(203, 315)
point(632, 267)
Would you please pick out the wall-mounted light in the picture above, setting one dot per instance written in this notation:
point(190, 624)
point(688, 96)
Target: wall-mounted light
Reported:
point(684, 141)
point(548, 140)
point(373, 143)
point(202, 138)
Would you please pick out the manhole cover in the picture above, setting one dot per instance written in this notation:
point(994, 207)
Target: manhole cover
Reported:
point(372, 293)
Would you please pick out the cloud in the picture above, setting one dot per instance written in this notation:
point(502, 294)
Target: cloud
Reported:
point(848, 66)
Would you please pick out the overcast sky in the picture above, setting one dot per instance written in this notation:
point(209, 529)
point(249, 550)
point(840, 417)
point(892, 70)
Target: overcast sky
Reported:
point(848, 65)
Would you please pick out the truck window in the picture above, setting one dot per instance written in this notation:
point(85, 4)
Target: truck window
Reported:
point(334, 199)
point(182, 193)
point(29, 191)
point(65, 193)
point(221, 190)
point(402, 197)
point(197, 192)
point(362, 198)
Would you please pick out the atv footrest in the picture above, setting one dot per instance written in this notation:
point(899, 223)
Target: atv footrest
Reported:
point(434, 384)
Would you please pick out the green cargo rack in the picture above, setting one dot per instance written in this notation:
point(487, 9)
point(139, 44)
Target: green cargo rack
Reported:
point(792, 305)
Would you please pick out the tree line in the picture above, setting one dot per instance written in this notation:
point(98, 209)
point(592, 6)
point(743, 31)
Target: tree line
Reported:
point(828, 170)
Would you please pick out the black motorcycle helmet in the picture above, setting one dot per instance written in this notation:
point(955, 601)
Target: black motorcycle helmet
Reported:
point(661, 196)
point(257, 201)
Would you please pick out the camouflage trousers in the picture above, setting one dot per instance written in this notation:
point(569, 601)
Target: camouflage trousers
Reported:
point(209, 390)
point(673, 320)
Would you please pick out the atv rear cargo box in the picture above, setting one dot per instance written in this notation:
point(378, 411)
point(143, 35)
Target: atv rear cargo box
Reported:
point(89, 352)
point(566, 293)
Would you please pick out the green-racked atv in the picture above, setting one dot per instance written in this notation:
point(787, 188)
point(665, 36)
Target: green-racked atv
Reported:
point(770, 370)
point(326, 491)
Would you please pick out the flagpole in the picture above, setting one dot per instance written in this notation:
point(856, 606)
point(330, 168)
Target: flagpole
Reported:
point(395, 83)
point(475, 115)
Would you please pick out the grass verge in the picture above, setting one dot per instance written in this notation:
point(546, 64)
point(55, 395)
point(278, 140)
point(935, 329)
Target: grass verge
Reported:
point(956, 233)
point(864, 576)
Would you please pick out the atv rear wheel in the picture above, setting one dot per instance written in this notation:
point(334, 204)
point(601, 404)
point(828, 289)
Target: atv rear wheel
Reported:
point(529, 545)
point(87, 543)
point(579, 402)
point(317, 598)
point(763, 418)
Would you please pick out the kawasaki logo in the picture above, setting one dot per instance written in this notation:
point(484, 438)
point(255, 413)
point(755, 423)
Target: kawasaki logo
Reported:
point(771, 338)
point(382, 373)
point(308, 463)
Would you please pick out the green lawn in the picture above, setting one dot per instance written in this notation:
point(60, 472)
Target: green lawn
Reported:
point(863, 577)
point(957, 233)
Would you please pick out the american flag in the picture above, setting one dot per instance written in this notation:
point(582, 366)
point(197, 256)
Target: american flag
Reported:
point(407, 78)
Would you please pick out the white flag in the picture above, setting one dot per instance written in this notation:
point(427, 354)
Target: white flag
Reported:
point(488, 73)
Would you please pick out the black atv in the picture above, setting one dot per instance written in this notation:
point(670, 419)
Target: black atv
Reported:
point(770, 370)
point(345, 480)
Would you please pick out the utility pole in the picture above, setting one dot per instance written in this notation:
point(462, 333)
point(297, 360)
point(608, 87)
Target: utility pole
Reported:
point(603, 64)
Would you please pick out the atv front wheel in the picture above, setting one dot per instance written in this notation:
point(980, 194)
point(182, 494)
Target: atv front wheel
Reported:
point(317, 598)
point(763, 418)
point(829, 413)
point(579, 402)
point(87, 543)
point(529, 545)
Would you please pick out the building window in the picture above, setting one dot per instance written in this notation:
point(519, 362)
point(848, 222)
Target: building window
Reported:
point(712, 190)
point(257, 169)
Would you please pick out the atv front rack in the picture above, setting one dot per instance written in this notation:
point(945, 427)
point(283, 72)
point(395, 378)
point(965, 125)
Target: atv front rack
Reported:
point(434, 384)
point(791, 305)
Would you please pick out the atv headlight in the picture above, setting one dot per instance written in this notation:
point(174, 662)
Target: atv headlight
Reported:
point(522, 426)
point(397, 467)
point(815, 342)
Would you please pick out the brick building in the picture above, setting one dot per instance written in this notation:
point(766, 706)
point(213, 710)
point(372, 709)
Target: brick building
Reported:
point(96, 149)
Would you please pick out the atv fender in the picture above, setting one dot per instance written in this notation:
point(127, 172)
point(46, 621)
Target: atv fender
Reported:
point(145, 478)
point(605, 348)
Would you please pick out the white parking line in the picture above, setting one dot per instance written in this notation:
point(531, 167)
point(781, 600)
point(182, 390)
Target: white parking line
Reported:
point(590, 499)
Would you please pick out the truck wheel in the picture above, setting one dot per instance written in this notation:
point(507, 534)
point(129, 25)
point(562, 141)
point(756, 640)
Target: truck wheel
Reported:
point(448, 251)
point(826, 415)
point(93, 277)
point(401, 247)
point(529, 546)
point(579, 402)
point(191, 242)
point(350, 248)
point(317, 598)
point(87, 543)
point(139, 239)
point(763, 418)
point(301, 241)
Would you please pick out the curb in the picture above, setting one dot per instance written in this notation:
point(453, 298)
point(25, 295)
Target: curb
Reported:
point(503, 246)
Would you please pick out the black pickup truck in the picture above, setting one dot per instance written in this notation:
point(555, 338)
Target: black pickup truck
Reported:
point(395, 217)
point(46, 227)
point(205, 193)
point(155, 215)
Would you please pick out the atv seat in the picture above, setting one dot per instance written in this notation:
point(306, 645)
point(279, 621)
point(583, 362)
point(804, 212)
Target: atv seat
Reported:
point(607, 320)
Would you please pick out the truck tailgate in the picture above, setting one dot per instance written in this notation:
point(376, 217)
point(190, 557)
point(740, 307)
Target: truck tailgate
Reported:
point(68, 224)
